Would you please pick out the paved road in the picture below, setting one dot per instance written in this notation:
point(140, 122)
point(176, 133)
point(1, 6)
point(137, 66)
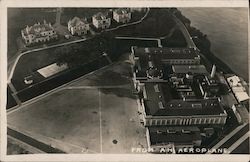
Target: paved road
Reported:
point(12, 69)
point(238, 142)
point(33, 142)
point(243, 148)
point(24, 145)
point(37, 98)
point(233, 139)
point(185, 32)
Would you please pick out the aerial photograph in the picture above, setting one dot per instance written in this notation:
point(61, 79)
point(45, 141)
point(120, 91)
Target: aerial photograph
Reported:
point(138, 80)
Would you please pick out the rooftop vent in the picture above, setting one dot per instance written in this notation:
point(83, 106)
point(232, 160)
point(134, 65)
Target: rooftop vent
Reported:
point(160, 105)
point(196, 105)
point(146, 50)
point(156, 87)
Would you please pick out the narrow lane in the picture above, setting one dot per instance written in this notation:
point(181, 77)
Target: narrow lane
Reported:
point(238, 142)
point(33, 142)
point(234, 138)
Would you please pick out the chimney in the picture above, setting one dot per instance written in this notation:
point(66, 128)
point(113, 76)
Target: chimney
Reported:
point(27, 29)
point(213, 71)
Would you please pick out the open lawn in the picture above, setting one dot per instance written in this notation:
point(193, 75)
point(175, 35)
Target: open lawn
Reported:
point(115, 75)
point(29, 63)
point(87, 116)
point(61, 120)
point(158, 23)
point(176, 40)
point(77, 120)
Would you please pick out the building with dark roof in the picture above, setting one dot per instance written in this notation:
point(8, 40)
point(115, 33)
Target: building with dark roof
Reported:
point(162, 104)
point(178, 97)
point(156, 61)
point(78, 26)
point(189, 69)
point(38, 33)
point(171, 138)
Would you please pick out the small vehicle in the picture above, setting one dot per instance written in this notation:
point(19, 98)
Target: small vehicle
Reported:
point(28, 80)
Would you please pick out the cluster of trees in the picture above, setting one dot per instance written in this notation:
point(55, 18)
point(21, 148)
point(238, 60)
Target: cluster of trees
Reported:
point(157, 23)
point(80, 53)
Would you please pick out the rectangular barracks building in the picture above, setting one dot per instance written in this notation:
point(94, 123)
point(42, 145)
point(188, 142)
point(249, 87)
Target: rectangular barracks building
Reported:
point(172, 56)
point(150, 63)
point(171, 138)
point(160, 107)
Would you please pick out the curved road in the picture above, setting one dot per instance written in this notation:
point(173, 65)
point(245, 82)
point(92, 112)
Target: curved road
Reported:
point(12, 69)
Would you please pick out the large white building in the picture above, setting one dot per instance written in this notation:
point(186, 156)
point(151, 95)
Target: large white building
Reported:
point(77, 26)
point(101, 21)
point(38, 33)
point(122, 15)
point(159, 107)
point(238, 89)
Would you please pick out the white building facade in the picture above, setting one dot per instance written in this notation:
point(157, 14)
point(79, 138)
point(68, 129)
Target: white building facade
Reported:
point(77, 26)
point(38, 33)
point(101, 21)
point(121, 15)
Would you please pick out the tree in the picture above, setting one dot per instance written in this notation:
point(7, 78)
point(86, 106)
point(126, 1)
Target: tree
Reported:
point(75, 55)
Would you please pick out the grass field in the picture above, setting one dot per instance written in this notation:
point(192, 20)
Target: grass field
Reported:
point(31, 62)
point(78, 119)
point(158, 23)
point(87, 116)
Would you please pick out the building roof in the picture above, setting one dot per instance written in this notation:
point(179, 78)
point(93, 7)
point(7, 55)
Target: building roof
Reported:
point(164, 101)
point(167, 53)
point(241, 96)
point(100, 16)
point(234, 81)
point(76, 21)
point(194, 69)
point(52, 69)
point(37, 28)
point(158, 56)
point(121, 11)
point(237, 88)
point(177, 135)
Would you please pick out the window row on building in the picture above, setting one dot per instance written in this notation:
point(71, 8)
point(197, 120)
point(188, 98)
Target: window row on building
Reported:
point(182, 61)
point(170, 121)
point(80, 26)
point(38, 33)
